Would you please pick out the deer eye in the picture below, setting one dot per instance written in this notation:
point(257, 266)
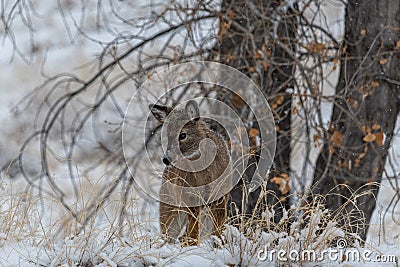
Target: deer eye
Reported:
point(182, 136)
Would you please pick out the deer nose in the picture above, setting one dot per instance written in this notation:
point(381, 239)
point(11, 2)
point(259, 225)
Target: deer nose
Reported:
point(166, 160)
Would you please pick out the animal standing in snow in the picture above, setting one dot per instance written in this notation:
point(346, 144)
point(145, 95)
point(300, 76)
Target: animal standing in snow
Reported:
point(185, 142)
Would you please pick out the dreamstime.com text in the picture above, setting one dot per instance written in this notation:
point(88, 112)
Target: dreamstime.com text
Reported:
point(333, 254)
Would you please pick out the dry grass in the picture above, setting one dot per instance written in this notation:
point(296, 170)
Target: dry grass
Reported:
point(56, 238)
point(307, 227)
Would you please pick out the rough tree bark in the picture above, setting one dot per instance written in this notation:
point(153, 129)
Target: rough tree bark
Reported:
point(251, 35)
point(351, 163)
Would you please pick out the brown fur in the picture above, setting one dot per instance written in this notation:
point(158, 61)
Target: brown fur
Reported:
point(195, 130)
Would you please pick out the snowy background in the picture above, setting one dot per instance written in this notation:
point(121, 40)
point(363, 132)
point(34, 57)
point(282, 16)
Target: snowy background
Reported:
point(30, 224)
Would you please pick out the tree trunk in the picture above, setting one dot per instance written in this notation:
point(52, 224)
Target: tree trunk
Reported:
point(249, 31)
point(350, 165)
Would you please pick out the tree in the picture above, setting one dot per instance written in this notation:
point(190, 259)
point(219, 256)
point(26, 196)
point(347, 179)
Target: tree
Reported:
point(350, 166)
point(259, 39)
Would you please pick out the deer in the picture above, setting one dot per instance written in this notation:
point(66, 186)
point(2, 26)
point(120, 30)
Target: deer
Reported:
point(186, 140)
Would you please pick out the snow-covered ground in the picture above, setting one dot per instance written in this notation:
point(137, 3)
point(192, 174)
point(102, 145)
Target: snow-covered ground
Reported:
point(36, 230)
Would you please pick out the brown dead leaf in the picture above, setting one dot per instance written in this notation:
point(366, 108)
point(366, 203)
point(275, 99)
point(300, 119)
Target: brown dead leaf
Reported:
point(337, 139)
point(383, 61)
point(285, 176)
point(357, 163)
point(376, 126)
point(280, 99)
point(314, 47)
point(283, 182)
point(365, 129)
point(379, 138)
point(253, 132)
point(369, 138)
point(257, 55)
point(361, 155)
point(345, 164)
point(363, 32)
point(277, 180)
point(318, 47)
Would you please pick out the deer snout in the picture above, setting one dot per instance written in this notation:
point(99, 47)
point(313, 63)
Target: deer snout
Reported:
point(166, 160)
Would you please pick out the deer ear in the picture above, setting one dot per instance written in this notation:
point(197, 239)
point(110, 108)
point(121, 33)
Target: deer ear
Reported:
point(160, 112)
point(192, 110)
